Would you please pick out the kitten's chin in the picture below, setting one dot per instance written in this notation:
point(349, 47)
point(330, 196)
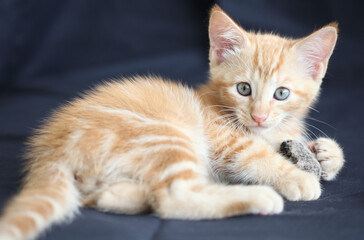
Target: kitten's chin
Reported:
point(259, 129)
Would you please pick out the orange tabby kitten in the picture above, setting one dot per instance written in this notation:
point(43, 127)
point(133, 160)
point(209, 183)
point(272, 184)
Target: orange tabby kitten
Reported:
point(148, 144)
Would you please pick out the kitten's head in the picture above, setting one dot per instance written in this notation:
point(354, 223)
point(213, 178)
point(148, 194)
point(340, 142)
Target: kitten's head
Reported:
point(264, 78)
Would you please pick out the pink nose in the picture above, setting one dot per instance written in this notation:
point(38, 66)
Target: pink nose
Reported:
point(259, 118)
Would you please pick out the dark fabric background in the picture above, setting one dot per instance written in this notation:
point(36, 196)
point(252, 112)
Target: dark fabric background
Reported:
point(51, 50)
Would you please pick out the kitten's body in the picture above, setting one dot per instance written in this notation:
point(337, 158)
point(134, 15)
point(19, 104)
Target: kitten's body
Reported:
point(148, 144)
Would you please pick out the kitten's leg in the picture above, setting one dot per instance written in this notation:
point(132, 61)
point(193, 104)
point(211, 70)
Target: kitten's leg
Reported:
point(188, 195)
point(180, 188)
point(252, 159)
point(191, 199)
point(122, 197)
point(330, 155)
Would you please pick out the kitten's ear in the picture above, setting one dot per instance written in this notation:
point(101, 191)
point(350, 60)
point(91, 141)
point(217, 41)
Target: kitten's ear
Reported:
point(315, 50)
point(226, 37)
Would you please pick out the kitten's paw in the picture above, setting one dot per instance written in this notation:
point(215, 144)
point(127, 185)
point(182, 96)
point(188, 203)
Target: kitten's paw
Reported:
point(265, 201)
point(330, 155)
point(299, 185)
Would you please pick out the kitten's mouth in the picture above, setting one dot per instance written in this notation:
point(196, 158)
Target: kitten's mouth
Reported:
point(258, 127)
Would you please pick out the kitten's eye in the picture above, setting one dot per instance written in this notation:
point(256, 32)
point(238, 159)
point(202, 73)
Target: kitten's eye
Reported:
point(244, 89)
point(281, 93)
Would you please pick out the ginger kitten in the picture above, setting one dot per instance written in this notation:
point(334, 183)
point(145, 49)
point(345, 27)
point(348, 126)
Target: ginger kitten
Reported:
point(145, 143)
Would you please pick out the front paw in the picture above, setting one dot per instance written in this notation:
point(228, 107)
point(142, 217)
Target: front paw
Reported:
point(299, 185)
point(330, 156)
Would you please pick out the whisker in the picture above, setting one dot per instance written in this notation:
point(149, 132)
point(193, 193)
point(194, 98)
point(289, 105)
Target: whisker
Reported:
point(225, 110)
point(317, 129)
point(205, 93)
point(314, 109)
point(225, 125)
point(311, 132)
point(222, 117)
point(221, 106)
point(300, 126)
point(314, 119)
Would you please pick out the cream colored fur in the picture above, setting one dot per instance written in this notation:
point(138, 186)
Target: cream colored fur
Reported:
point(147, 144)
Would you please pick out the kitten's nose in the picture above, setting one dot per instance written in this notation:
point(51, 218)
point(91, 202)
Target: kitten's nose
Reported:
point(259, 117)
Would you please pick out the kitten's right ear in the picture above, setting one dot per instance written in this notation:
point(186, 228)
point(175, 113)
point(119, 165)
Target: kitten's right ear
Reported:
point(226, 37)
point(315, 50)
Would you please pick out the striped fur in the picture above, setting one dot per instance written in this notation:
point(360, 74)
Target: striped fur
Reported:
point(147, 144)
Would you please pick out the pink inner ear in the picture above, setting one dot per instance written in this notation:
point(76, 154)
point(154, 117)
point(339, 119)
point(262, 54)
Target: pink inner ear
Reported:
point(224, 42)
point(218, 55)
point(222, 47)
point(225, 36)
point(313, 59)
point(316, 49)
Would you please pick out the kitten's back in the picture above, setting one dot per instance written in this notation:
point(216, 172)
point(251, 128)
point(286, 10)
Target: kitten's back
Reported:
point(77, 148)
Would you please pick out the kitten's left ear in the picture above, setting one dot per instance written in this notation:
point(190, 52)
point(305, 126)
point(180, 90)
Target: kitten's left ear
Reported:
point(315, 50)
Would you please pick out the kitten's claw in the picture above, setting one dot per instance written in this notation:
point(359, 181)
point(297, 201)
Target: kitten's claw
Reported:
point(324, 175)
point(330, 156)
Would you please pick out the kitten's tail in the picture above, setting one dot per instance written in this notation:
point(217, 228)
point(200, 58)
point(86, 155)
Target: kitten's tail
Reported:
point(42, 201)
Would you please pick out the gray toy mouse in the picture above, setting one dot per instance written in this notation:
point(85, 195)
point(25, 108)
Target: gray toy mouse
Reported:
point(301, 156)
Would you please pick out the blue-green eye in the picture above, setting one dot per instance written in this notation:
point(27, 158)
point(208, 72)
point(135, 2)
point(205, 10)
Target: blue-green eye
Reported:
point(281, 93)
point(244, 89)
